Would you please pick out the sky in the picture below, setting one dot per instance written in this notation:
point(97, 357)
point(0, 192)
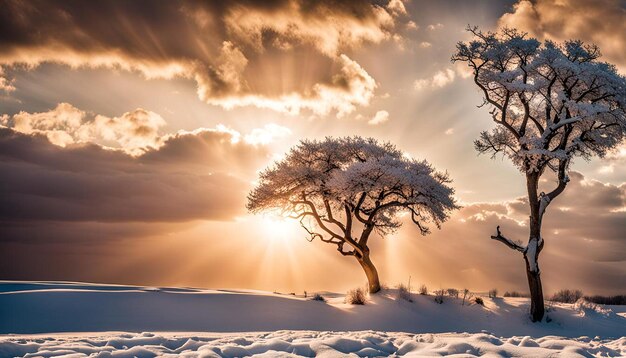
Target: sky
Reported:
point(132, 131)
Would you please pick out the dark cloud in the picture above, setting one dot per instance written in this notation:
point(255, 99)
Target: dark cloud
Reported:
point(200, 175)
point(152, 29)
point(234, 50)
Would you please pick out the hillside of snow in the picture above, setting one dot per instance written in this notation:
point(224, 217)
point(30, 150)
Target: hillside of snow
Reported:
point(33, 316)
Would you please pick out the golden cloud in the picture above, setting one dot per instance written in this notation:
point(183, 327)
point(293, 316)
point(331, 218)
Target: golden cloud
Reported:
point(601, 22)
point(135, 131)
point(229, 49)
point(440, 79)
point(349, 88)
point(379, 118)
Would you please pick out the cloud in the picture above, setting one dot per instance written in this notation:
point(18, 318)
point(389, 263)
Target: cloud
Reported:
point(5, 84)
point(438, 80)
point(396, 7)
point(349, 88)
point(69, 165)
point(201, 175)
point(411, 25)
point(436, 26)
point(601, 22)
point(379, 117)
point(613, 160)
point(134, 132)
point(607, 169)
point(242, 62)
point(328, 26)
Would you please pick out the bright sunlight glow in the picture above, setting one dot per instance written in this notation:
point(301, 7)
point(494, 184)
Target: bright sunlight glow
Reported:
point(278, 228)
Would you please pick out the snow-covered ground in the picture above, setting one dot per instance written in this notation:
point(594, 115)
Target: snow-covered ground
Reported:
point(33, 315)
point(305, 343)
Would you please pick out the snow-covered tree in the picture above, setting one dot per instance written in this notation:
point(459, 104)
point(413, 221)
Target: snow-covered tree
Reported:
point(337, 187)
point(550, 103)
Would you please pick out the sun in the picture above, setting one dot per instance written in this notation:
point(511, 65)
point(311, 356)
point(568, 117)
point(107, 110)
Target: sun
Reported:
point(278, 228)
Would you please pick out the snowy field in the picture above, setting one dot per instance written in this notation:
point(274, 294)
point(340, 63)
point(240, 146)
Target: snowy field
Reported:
point(74, 319)
point(305, 343)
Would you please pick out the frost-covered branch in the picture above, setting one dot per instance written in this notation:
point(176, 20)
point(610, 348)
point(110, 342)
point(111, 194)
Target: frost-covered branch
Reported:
point(577, 104)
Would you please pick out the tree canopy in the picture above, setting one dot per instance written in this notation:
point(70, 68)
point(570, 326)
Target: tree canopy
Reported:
point(333, 184)
point(551, 101)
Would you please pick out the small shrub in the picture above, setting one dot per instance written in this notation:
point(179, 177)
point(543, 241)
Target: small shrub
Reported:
point(567, 296)
point(467, 296)
point(439, 296)
point(493, 293)
point(479, 301)
point(356, 296)
point(514, 294)
point(453, 292)
point(305, 294)
point(404, 293)
point(318, 297)
point(423, 290)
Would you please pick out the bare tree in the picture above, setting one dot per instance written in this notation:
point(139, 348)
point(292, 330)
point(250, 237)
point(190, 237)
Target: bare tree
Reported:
point(339, 185)
point(550, 102)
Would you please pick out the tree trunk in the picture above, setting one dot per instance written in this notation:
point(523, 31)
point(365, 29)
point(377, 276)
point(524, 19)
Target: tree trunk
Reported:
point(535, 244)
point(373, 282)
point(536, 294)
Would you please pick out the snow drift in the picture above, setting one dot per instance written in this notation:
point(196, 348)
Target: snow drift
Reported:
point(305, 344)
point(32, 315)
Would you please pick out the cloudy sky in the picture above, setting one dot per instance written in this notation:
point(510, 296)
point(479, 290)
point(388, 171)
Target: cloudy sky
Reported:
point(132, 131)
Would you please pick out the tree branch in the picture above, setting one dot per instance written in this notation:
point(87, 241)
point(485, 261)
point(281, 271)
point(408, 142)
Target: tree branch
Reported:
point(414, 215)
point(330, 240)
point(317, 217)
point(511, 244)
point(348, 221)
point(331, 219)
point(357, 208)
point(563, 180)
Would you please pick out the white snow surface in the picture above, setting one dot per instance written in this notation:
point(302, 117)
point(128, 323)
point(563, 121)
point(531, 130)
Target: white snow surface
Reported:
point(45, 319)
point(305, 344)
